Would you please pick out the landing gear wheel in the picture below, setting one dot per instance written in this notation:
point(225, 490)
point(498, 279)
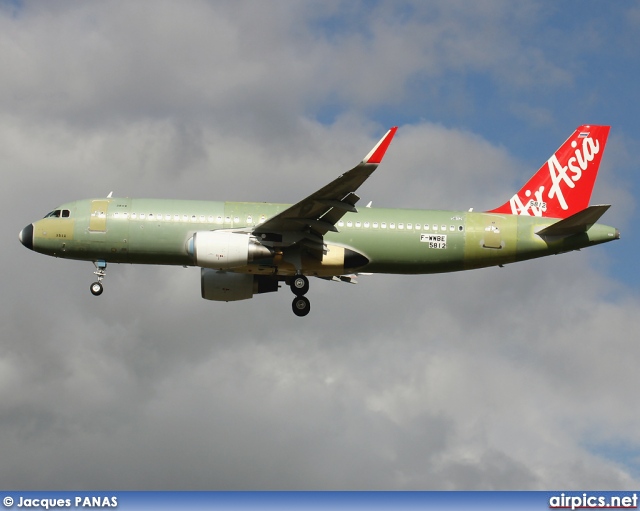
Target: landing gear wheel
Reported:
point(101, 272)
point(299, 285)
point(96, 289)
point(301, 306)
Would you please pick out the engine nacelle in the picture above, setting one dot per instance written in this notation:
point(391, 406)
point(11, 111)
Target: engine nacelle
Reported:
point(224, 250)
point(229, 287)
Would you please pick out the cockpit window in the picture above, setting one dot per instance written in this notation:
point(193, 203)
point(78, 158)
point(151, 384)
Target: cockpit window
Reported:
point(64, 213)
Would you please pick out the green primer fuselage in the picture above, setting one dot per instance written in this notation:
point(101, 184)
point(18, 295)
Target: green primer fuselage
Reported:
point(399, 241)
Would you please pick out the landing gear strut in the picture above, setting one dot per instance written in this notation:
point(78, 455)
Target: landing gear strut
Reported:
point(101, 272)
point(301, 305)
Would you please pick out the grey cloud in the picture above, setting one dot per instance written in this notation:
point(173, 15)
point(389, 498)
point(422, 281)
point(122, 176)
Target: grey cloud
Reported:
point(444, 381)
point(496, 378)
point(223, 62)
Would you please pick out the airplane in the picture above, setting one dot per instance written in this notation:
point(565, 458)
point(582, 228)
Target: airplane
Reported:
point(249, 248)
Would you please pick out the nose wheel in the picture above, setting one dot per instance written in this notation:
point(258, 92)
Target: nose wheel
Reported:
point(101, 272)
point(96, 289)
point(301, 305)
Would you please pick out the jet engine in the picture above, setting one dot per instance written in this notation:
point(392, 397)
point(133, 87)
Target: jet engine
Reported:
point(229, 287)
point(222, 250)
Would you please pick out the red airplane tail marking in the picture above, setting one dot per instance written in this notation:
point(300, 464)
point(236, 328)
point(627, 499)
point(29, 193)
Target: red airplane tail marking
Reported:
point(563, 185)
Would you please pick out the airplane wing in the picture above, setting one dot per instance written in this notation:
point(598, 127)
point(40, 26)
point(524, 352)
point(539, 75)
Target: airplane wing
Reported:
point(316, 215)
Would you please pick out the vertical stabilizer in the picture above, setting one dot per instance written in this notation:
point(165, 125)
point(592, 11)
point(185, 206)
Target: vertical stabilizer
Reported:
point(563, 185)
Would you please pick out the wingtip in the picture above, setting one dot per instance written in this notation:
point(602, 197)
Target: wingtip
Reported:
point(377, 153)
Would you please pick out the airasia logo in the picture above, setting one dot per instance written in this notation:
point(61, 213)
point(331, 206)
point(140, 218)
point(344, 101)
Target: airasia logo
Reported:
point(561, 178)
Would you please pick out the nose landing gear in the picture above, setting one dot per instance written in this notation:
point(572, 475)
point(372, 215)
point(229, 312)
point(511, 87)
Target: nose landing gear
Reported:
point(301, 305)
point(101, 272)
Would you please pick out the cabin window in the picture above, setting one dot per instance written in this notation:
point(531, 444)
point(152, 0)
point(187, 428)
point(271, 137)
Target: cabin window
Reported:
point(227, 220)
point(410, 226)
point(460, 228)
point(349, 223)
point(443, 227)
point(358, 224)
point(375, 225)
point(341, 223)
point(452, 228)
point(435, 227)
point(366, 225)
point(141, 216)
point(400, 226)
point(249, 220)
point(125, 214)
point(392, 225)
point(383, 225)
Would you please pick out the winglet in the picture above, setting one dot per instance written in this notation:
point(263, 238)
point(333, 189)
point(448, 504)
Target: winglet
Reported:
point(377, 153)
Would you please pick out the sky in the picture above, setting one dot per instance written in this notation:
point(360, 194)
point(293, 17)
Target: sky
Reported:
point(522, 377)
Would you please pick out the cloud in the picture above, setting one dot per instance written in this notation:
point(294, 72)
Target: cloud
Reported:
point(220, 61)
point(493, 379)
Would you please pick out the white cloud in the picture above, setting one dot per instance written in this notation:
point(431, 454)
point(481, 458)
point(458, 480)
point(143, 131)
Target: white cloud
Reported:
point(497, 378)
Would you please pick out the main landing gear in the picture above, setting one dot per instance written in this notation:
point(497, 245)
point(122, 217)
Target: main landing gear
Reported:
point(301, 305)
point(101, 272)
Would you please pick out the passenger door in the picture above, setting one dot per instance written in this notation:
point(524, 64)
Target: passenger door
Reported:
point(98, 218)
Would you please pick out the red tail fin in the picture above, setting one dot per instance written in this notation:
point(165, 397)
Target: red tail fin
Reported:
point(563, 185)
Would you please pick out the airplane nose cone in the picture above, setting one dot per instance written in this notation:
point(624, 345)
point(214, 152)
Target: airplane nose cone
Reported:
point(26, 236)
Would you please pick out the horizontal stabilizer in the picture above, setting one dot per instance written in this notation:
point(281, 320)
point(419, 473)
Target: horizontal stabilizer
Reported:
point(577, 223)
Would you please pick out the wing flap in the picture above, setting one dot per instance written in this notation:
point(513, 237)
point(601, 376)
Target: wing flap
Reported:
point(349, 279)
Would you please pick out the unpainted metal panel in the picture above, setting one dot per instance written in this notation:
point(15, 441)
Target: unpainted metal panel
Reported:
point(98, 218)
